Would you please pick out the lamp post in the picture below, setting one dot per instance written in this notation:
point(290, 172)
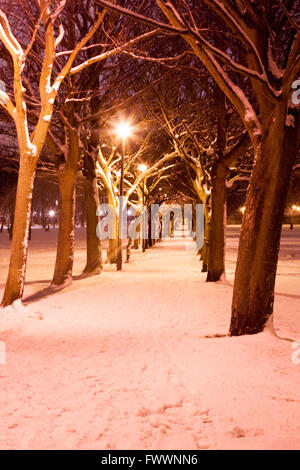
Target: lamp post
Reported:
point(123, 130)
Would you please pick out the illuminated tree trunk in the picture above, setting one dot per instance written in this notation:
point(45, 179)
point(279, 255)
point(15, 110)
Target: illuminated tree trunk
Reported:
point(19, 246)
point(65, 246)
point(113, 242)
point(136, 243)
point(112, 250)
point(253, 294)
point(137, 240)
point(93, 243)
point(67, 172)
point(216, 242)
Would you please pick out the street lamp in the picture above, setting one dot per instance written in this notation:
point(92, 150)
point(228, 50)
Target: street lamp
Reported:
point(142, 167)
point(123, 130)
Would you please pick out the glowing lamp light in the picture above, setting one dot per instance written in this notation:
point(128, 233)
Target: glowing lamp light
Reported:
point(142, 167)
point(51, 213)
point(123, 130)
point(242, 210)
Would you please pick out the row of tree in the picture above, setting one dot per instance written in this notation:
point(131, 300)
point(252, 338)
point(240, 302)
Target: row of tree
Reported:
point(210, 86)
point(259, 41)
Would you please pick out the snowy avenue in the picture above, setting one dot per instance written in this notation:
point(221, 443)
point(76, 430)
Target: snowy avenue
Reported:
point(135, 360)
point(149, 230)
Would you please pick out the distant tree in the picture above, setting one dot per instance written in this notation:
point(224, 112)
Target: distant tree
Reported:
point(209, 138)
point(108, 171)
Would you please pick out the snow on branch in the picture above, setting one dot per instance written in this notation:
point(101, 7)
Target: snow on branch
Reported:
point(192, 36)
point(262, 77)
point(229, 184)
point(225, 10)
point(59, 37)
point(293, 65)
point(149, 172)
point(9, 40)
point(141, 18)
point(68, 66)
point(6, 103)
point(106, 55)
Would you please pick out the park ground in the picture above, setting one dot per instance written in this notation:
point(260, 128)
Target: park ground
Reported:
point(140, 359)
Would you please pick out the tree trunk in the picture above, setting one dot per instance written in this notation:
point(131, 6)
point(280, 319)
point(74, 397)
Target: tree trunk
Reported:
point(128, 250)
point(136, 243)
point(112, 250)
point(65, 247)
point(253, 294)
point(150, 242)
point(204, 251)
point(216, 245)
point(17, 266)
point(93, 243)
point(11, 219)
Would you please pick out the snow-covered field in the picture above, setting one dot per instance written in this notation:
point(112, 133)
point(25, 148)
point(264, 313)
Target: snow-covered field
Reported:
point(133, 360)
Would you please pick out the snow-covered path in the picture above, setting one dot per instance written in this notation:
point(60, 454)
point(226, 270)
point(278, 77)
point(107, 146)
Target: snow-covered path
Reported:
point(123, 361)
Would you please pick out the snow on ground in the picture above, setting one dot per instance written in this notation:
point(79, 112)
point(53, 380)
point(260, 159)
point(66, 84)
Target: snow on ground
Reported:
point(123, 361)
